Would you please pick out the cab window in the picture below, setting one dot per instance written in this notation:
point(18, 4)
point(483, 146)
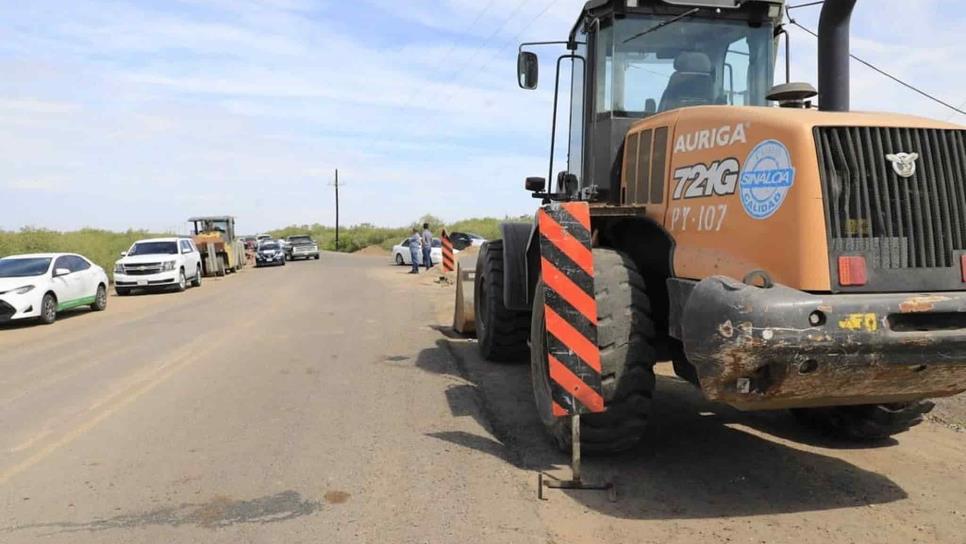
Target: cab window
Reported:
point(687, 63)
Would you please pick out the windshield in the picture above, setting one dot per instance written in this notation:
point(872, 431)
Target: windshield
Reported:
point(153, 248)
point(23, 268)
point(299, 239)
point(690, 62)
point(271, 246)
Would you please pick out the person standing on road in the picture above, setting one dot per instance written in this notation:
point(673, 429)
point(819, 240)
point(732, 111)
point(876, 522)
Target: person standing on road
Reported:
point(414, 243)
point(427, 246)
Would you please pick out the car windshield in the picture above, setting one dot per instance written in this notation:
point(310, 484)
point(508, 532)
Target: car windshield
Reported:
point(437, 243)
point(23, 268)
point(300, 239)
point(153, 248)
point(270, 247)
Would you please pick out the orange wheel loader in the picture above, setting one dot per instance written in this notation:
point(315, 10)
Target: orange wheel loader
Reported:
point(783, 251)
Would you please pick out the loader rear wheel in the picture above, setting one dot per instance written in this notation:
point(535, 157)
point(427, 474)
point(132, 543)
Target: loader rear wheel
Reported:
point(864, 423)
point(625, 333)
point(502, 333)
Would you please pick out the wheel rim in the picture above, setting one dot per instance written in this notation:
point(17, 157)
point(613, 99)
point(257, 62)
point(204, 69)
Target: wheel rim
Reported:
point(50, 309)
point(182, 281)
point(399, 259)
point(101, 297)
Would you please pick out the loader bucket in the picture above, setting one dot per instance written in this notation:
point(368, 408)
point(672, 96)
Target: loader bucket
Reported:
point(464, 315)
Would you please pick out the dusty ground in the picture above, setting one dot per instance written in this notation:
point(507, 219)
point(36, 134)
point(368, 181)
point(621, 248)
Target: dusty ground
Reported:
point(325, 402)
point(709, 473)
point(375, 251)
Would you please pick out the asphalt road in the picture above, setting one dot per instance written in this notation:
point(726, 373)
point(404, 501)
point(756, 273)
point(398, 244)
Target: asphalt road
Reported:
point(324, 402)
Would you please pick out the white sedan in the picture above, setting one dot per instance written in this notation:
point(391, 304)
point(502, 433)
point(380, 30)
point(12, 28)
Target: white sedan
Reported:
point(402, 256)
point(43, 284)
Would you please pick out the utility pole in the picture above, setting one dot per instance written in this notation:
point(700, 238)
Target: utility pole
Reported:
point(336, 184)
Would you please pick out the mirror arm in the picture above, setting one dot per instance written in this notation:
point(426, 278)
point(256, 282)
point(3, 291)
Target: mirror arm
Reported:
point(534, 44)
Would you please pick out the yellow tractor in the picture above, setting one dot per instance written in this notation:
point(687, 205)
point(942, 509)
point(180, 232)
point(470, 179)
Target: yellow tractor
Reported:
point(783, 255)
point(221, 251)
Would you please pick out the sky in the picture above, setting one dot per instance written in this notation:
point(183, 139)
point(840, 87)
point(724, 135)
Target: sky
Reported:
point(140, 114)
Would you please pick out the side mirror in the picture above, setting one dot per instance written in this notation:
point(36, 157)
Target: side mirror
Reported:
point(535, 185)
point(528, 69)
point(124, 254)
point(61, 272)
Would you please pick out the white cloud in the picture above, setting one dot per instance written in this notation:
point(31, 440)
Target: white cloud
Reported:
point(48, 185)
point(157, 112)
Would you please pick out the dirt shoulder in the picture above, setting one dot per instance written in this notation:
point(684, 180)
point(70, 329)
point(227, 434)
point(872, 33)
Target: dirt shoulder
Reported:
point(709, 473)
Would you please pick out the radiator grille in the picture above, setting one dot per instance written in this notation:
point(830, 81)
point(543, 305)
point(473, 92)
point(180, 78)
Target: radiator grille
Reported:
point(897, 222)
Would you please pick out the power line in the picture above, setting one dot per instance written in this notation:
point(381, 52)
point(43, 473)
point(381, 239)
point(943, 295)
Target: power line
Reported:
point(888, 75)
point(506, 44)
point(452, 47)
point(492, 35)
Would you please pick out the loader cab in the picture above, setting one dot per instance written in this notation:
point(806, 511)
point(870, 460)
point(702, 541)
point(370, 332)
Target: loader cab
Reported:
point(632, 59)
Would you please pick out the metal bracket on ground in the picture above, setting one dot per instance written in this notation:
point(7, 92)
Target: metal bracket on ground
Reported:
point(576, 482)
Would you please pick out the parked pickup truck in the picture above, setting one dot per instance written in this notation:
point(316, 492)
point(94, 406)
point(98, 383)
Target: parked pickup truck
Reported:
point(158, 263)
point(301, 247)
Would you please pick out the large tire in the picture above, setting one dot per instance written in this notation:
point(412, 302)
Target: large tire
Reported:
point(864, 423)
point(122, 291)
point(196, 281)
point(625, 333)
point(501, 333)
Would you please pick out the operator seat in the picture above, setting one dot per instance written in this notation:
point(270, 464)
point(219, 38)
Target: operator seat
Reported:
point(691, 84)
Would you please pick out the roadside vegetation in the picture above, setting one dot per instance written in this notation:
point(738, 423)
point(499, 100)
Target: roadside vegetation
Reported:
point(105, 247)
point(101, 246)
point(356, 237)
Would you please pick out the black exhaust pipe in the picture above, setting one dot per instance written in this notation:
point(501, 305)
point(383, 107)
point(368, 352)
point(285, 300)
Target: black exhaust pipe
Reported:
point(833, 55)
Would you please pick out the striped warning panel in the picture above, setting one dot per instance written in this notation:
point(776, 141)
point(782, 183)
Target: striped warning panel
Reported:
point(449, 264)
point(567, 269)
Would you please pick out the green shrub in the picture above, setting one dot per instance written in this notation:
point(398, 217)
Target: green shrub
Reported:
point(100, 246)
point(356, 237)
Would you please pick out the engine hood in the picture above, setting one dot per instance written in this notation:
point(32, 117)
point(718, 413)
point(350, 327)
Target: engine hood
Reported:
point(144, 259)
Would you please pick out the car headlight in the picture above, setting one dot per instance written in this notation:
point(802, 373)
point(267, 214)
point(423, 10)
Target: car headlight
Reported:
point(118, 268)
point(167, 266)
point(23, 290)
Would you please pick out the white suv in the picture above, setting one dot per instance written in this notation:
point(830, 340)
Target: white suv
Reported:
point(158, 263)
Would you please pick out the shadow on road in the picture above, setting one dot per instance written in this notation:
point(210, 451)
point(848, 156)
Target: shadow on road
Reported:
point(217, 513)
point(698, 460)
point(30, 323)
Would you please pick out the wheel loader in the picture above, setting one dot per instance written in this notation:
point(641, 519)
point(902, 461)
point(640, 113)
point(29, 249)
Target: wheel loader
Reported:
point(783, 251)
point(222, 252)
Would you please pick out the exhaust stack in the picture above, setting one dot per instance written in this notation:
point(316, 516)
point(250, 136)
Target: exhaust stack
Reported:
point(833, 55)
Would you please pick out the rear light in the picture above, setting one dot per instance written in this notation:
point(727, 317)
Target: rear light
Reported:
point(962, 266)
point(852, 271)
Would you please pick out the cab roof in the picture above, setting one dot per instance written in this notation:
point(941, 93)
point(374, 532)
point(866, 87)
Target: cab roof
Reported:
point(212, 218)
